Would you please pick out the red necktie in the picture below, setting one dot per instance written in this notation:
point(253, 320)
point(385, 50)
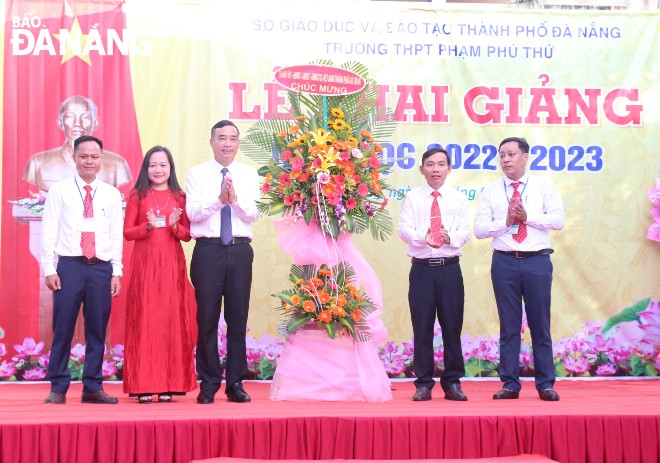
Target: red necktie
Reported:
point(436, 219)
point(522, 227)
point(87, 242)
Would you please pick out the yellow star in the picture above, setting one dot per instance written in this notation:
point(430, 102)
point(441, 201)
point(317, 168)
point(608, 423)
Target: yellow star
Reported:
point(75, 43)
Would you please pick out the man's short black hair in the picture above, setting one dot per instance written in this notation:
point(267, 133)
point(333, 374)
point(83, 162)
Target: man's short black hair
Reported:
point(522, 143)
point(432, 151)
point(83, 139)
point(221, 124)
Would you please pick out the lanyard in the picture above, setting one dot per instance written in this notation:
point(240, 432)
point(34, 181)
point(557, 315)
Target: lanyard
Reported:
point(85, 208)
point(521, 193)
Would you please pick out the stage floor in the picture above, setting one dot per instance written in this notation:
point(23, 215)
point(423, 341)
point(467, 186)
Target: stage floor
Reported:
point(595, 421)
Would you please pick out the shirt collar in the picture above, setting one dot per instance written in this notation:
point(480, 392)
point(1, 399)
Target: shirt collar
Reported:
point(217, 167)
point(522, 180)
point(81, 183)
point(442, 190)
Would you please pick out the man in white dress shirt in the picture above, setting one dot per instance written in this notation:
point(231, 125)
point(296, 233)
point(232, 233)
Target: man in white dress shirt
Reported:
point(518, 211)
point(83, 229)
point(434, 222)
point(221, 196)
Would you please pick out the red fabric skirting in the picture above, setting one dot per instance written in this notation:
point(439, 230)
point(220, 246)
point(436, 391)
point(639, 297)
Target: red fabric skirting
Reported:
point(595, 421)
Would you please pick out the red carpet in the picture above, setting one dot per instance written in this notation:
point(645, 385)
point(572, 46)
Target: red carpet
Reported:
point(595, 421)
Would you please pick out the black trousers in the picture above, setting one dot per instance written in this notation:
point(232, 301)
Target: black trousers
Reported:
point(437, 291)
point(88, 285)
point(515, 280)
point(221, 273)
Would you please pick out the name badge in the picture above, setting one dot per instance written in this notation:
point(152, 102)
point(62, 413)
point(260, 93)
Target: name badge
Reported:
point(160, 222)
point(86, 224)
point(513, 229)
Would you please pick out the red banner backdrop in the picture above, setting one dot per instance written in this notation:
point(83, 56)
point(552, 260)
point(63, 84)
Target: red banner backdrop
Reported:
point(56, 50)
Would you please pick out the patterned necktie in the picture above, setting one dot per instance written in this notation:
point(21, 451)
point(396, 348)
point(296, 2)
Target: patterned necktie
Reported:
point(87, 241)
point(436, 219)
point(226, 235)
point(522, 227)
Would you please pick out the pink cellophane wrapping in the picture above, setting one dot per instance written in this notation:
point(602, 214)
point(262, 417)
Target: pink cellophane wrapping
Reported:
point(312, 366)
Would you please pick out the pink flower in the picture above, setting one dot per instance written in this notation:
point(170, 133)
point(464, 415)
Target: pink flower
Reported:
point(118, 352)
point(286, 155)
point(78, 353)
point(288, 200)
point(356, 153)
point(526, 358)
point(34, 374)
point(374, 162)
point(265, 188)
point(28, 348)
point(297, 162)
point(656, 362)
point(339, 180)
point(109, 369)
point(607, 369)
point(577, 365)
point(323, 177)
point(7, 370)
point(650, 322)
point(284, 179)
point(481, 348)
point(44, 360)
point(351, 203)
point(363, 190)
point(316, 163)
point(344, 156)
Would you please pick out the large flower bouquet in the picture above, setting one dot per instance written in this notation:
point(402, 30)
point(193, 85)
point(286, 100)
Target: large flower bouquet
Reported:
point(328, 298)
point(325, 164)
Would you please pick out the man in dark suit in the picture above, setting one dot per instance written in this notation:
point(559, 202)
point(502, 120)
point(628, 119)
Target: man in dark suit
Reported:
point(221, 204)
point(517, 212)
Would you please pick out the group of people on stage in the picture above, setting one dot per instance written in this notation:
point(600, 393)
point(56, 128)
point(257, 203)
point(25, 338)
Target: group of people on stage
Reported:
point(82, 242)
point(517, 211)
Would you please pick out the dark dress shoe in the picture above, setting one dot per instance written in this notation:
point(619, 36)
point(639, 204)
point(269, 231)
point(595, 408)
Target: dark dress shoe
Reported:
point(422, 394)
point(455, 393)
point(236, 393)
point(55, 398)
point(205, 398)
point(506, 394)
point(98, 397)
point(549, 394)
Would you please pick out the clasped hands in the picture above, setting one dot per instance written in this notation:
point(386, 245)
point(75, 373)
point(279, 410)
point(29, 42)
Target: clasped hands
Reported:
point(227, 193)
point(516, 213)
point(444, 234)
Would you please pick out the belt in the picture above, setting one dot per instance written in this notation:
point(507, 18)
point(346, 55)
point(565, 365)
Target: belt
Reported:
point(84, 260)
point(235, 240)
point(525, 254)
point(436, 261)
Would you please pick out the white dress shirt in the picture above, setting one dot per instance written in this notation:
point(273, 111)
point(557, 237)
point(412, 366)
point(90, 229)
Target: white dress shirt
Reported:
point(545, 212)
point(203, 184)
point(415, 220)
point(62, 222)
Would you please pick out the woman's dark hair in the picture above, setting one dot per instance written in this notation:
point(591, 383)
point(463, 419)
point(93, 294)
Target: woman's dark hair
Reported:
point(142, 183)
